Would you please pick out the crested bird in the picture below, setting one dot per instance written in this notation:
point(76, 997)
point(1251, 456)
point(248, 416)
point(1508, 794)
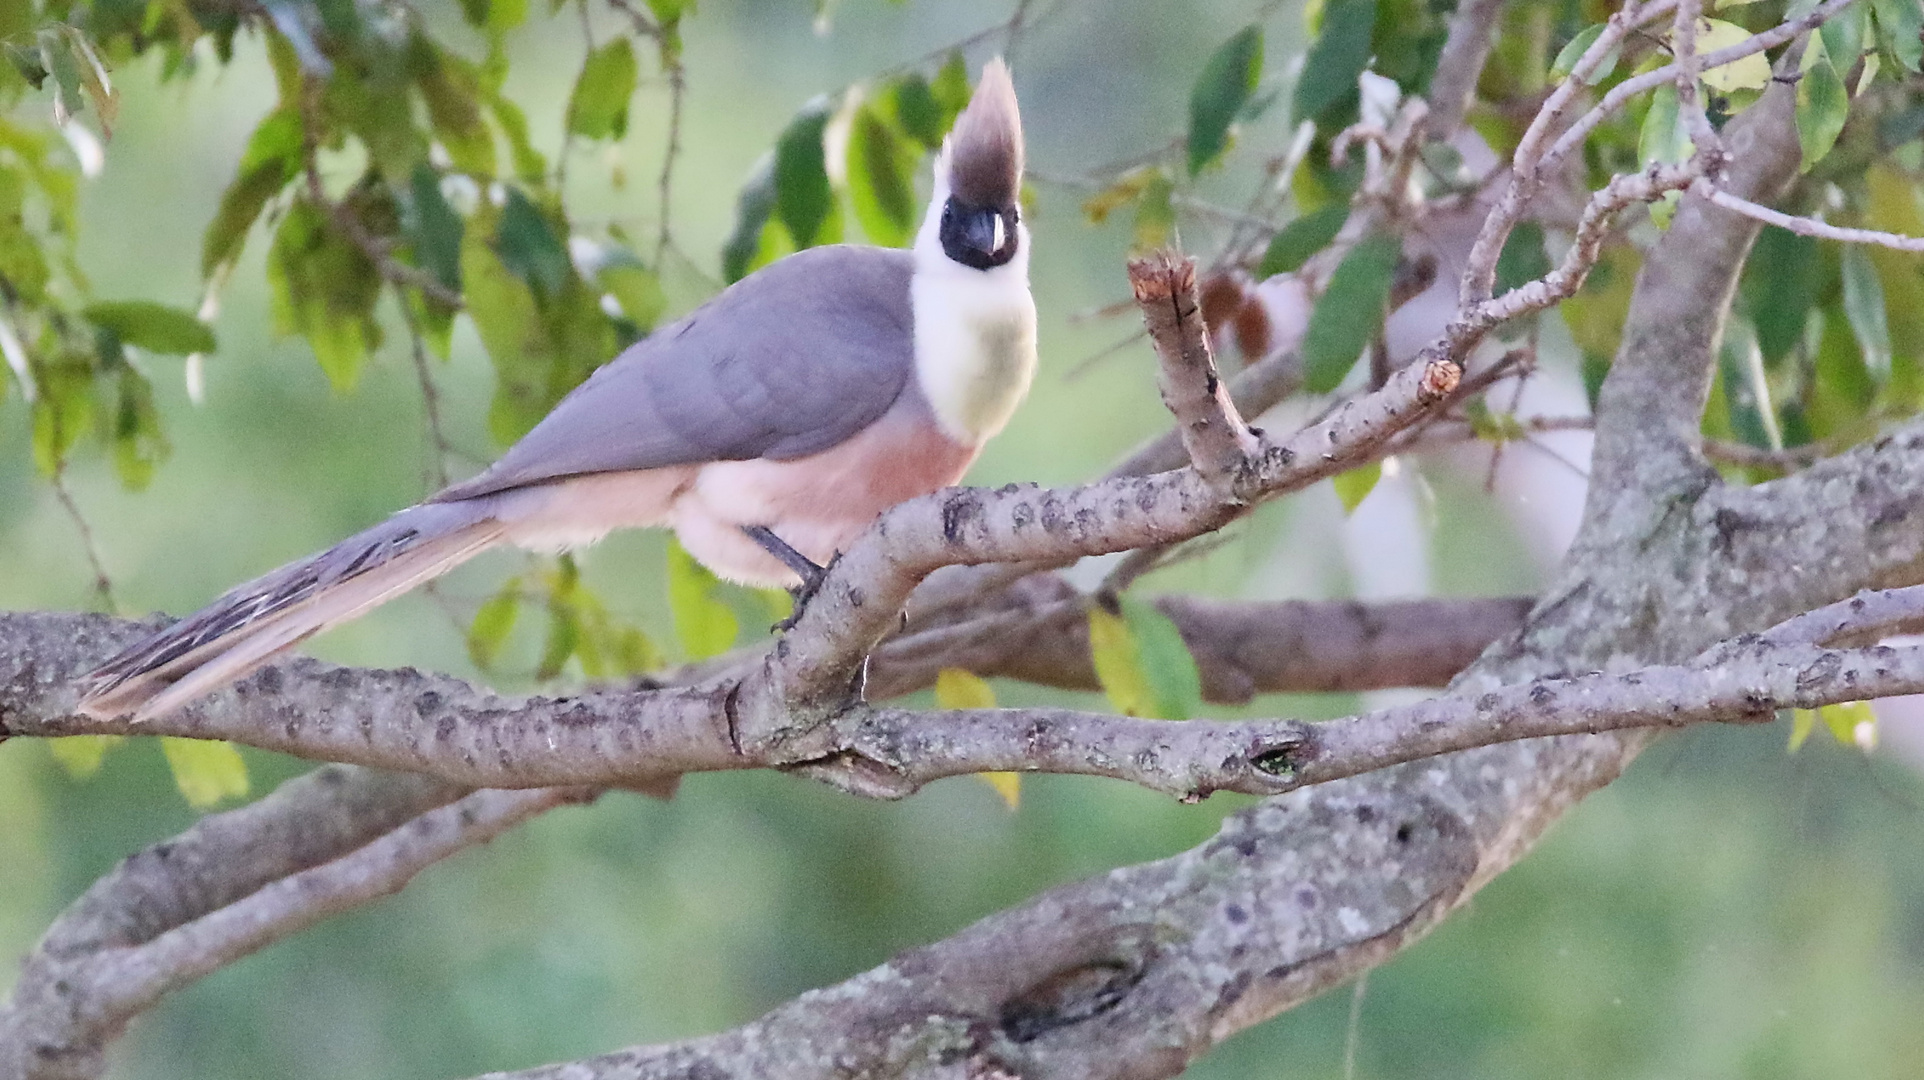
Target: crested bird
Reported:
point(768, 429)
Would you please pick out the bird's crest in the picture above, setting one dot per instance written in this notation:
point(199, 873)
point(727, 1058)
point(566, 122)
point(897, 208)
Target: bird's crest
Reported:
point(984, 149)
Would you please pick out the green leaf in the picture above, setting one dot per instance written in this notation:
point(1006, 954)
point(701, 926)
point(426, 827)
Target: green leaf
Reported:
point(207, 773)
point(564, 636)
point(1900, 29)
point(1844, 35)
point(638, 290)
point(1845, 719)
point(917, 111)
point(1842, 721)
point(324, 289)
point(81, 755)
point(1290, 248)
point(1350, 312)
point(271, 160)
point(1822, 105)
point(504, 313)
point(1780, 286)
point(1354, 486)
point(529, 247)
point(60, 63)
point(951, 89)
point(753, 208)
point(134, 432)
point(64, 409)
point(1118, 663)
point(380, 113)
point(1864, 308)
point(93, 78)
point(1750, 410)
point(704, 624)
point(1523, 259)
point(529, 166)
point(1663, 138)
point(959, 689)
point(1155, 212)
point(1750, 73)
point(803, 198)
point(451, 88)
point(1842, 388)
point(598, 108)
point(1566, 60)
point(881, 179)
point(1336, 59)
point(669, 11)
point(505, 15)
point(433, 229)
point(1142, 662)
point(1221, 91)
point(1891, 205)
point(1802, 723)
point(154, 327)
point(493, 623)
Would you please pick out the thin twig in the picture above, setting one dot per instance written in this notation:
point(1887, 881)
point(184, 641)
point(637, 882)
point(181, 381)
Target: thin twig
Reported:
point(430, 396)
point(102, 584)
point(1689, 65)
point(664, 187)
point(1621, 93)
point(1804, 226)
point(1787, 459)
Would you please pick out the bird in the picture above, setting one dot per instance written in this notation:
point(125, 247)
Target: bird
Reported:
point(768, 428)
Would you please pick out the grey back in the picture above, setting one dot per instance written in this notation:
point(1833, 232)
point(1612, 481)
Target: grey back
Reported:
point(789, 361)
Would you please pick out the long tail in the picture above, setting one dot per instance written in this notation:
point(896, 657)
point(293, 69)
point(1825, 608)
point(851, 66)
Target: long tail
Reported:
point(246, 627)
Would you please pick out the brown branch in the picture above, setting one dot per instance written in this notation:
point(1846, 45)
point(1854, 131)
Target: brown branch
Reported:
point(1241, 649)
point(1218, 442)
point(1472, 34)
point(70, 1001)
point(45, 1032)
point(1650, 408)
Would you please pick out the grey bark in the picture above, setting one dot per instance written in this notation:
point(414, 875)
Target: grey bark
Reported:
point(1136, 973)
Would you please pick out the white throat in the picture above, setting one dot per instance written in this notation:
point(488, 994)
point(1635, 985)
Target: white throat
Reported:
point(975, 330)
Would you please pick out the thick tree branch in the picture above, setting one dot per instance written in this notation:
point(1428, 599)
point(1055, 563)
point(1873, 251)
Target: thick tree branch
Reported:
point(1465, 51)
point(1650, 409)
point(1132, 974)
point(1241, 649)
point(113, 956)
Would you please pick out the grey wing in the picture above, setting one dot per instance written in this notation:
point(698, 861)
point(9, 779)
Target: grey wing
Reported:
point(787, 362)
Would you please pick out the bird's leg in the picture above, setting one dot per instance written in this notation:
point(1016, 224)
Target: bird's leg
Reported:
point(810, 573)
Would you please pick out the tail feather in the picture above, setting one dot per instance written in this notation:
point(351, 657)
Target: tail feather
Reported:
point(248, 625)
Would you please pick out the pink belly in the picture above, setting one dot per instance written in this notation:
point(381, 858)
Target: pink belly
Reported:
point(817, 504)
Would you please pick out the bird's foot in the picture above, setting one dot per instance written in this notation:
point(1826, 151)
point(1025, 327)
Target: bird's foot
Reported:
point(801, 595)
point(802, 565)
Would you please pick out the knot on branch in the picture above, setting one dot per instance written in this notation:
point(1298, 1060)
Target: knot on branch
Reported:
point(1440, 377)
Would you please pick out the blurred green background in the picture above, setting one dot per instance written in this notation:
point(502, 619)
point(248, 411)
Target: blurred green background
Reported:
point(1726, 911)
